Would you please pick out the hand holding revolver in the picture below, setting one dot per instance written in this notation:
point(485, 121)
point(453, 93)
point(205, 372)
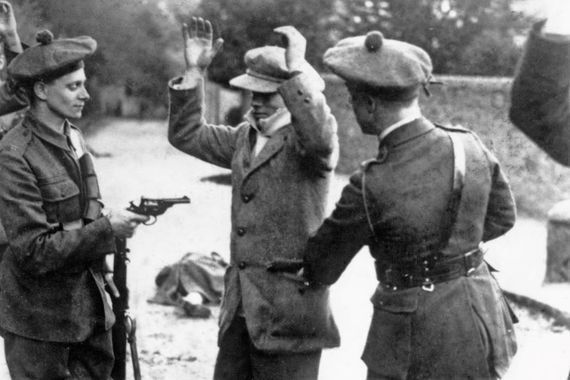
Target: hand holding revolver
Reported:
point(125, 222)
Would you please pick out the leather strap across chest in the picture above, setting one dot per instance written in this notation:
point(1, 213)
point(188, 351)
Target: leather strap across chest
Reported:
point(450, 216)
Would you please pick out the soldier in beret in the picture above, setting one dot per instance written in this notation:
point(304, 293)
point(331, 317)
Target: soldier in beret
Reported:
point(282, 157)
point(54, 316)
point(423, 207)
point(540, 96)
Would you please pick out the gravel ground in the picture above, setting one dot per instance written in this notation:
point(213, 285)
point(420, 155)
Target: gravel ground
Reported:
point(137, 160)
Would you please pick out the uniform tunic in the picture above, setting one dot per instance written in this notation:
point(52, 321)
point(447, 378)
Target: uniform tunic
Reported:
point(461, 329)
point(51, 286)
point(278, 200)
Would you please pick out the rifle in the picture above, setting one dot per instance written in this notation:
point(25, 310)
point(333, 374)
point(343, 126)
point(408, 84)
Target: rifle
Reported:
point(124, 330)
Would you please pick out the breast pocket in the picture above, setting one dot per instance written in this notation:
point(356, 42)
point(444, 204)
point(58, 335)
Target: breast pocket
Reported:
point(61, 200)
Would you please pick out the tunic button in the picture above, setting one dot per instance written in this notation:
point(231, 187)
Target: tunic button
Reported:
point(242, 265)
point(241, 231)
point(247, 197)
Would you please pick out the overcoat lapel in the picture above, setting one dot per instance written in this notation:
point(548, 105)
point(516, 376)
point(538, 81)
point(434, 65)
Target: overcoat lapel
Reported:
point(271, 148)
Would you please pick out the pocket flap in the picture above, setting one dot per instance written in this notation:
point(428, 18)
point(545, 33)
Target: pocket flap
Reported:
point(54, 192)
point(396, 301)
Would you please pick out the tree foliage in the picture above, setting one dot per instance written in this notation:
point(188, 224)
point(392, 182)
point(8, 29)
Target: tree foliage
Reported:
point(140, 44)
point(461, 36)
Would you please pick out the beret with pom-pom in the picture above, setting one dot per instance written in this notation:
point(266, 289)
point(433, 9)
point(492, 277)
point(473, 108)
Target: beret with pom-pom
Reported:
point(44, 37)
point(50, 57)
point(377, 62)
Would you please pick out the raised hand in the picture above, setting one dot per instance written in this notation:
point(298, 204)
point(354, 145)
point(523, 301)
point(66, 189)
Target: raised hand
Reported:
point(296, 46)
point(8, 27)
point(198, 48)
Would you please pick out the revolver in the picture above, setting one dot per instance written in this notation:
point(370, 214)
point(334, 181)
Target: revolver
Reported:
point(154, 207)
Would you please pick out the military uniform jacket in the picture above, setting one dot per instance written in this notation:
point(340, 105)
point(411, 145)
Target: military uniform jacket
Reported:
point(51, 286)
point(278, 199)
point(540, 96)
point(448, 333)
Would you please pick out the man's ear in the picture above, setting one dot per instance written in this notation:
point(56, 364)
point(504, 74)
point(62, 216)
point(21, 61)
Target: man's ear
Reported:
point(40, 90)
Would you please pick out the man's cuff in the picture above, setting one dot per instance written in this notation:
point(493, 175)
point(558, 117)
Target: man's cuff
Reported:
point(176, 84)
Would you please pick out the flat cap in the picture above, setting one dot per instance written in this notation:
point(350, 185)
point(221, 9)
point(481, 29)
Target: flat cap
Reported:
point(50, 57)
point(378, 62)
point(267, 70)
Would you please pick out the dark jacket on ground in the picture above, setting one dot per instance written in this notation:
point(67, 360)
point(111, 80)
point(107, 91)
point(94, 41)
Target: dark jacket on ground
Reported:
point(51, 286)
point(450, 332)
point(278, 200)
point(540, 97)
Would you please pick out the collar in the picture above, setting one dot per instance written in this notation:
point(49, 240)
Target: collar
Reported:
point(268, 126)
point(408, 131)
point(46, 133)
point(397, 125)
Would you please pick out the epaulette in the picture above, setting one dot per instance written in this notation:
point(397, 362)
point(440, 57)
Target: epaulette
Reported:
point(454, 128)
point(17, 139)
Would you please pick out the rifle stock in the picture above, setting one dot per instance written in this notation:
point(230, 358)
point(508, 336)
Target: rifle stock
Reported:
point(124, 329)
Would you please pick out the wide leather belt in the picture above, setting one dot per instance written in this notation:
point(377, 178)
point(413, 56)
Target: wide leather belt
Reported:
point(426, 273)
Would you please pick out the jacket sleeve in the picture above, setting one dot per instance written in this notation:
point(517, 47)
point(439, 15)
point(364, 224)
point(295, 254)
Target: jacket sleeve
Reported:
point(40, 247)
point(10, 101)
point(540, 94)
point(339, 238)
point(501, 211)
point(315, 126)
point(189, 132)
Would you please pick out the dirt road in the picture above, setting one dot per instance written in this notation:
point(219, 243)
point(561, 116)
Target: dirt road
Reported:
point(137, 160)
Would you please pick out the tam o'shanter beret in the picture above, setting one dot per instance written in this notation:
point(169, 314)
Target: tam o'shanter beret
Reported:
point(267, 70)
point(377, 62)
point(50, 57)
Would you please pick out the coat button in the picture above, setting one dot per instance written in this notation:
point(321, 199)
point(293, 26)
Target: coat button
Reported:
point(241, 231)
point(242, 265)
point(247, 197)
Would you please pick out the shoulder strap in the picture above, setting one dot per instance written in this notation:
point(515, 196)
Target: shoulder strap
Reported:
point(459, 168)
point(365, 166)
point(450, 217)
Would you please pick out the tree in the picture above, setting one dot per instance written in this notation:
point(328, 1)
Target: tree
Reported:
point(453, 32)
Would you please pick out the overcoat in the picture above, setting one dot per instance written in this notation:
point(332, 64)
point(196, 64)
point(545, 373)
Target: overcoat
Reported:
point(278, 200)
point(51, 283)
point(540, 95)
point(461, 328)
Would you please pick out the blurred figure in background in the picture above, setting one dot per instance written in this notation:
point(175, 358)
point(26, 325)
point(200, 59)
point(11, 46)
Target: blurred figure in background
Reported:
point(54, 316)
point(540, 96)
point(423, 207)
point(10, 46)
point(282, 157)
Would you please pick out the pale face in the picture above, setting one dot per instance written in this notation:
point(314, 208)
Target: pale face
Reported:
point(265, 105)
point(66, 96)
